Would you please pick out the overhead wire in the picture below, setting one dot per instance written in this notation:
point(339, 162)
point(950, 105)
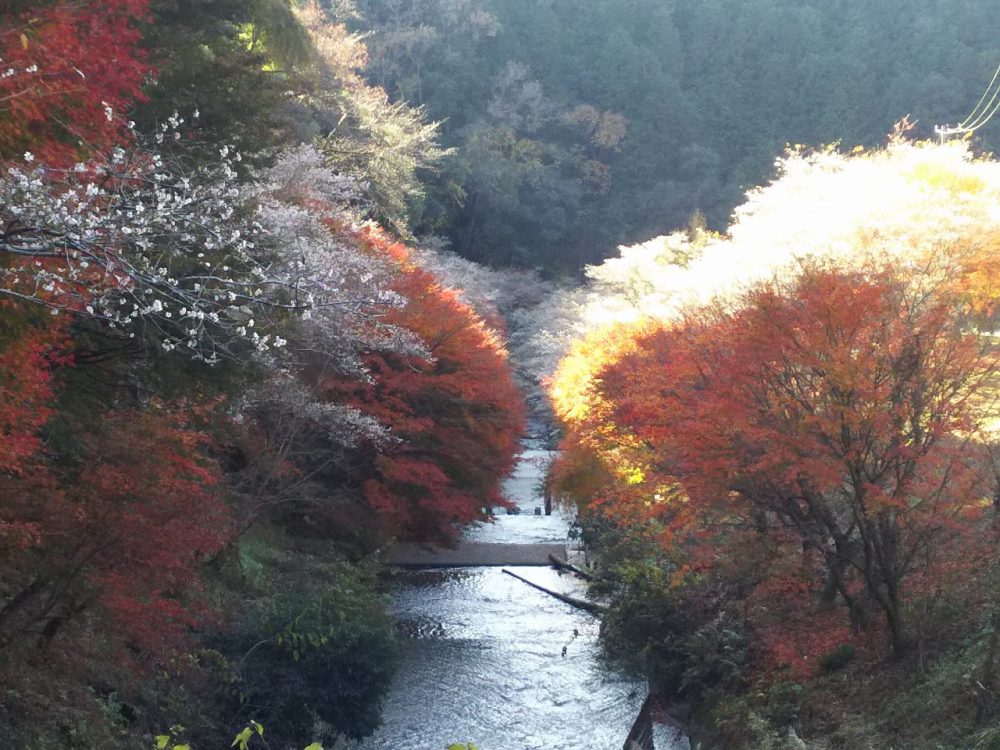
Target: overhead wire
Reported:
point(980, 115)
point(975, 112)
point(986, 117)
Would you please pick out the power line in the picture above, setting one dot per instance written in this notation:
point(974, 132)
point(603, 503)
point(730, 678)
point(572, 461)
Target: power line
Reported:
point(985, 118)
point(980, 114)
point(974, 114)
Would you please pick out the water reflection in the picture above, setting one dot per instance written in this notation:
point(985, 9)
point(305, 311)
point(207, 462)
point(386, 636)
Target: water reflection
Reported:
point(492, 661)
point(495, 662)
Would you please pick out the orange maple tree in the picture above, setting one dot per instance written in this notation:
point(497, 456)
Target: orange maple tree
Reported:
point(456, 413)
point(843, 406)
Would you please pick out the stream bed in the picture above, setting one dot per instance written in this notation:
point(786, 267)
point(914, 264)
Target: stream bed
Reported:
point(491, 661)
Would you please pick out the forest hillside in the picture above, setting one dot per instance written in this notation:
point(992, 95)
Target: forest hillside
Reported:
point(283, 282)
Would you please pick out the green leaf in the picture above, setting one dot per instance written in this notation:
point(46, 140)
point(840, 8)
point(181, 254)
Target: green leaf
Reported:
point(185, 746)
point(161, 741)
point(258, 726)
point(314, 746)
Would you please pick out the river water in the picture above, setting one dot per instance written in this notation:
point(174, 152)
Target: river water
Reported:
point(492, 661)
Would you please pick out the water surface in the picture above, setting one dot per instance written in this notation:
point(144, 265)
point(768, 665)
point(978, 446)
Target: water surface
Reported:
point(492, 661)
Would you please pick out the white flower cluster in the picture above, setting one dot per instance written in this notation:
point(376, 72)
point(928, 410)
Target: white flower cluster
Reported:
point(287, 400)
point(345, 289)
point(139, 240)
point(193, 256)
point(10, 72)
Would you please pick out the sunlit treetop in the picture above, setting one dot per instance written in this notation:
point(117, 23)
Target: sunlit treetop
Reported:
point(931, 210)
point(575, 387)
point(909, 200)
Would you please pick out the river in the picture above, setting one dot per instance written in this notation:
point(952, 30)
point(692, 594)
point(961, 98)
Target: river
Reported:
point(491, 661)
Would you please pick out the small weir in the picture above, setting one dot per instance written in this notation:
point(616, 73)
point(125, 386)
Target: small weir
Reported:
point(475, 555)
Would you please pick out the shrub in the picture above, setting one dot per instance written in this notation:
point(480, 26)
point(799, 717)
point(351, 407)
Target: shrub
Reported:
point(837, 658)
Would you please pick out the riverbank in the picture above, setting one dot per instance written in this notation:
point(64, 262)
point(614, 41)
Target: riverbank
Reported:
point(744, 668)
point(874, 703)
point(941, 694)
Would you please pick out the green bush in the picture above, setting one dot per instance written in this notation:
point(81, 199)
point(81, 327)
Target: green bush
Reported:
point(839, 657)
point(316, 658)
point(783, 703)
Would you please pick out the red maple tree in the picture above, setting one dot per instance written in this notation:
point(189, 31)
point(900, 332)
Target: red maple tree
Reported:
point(117, 534)
point(69, 71)
point(457, 413)
point(842, 406)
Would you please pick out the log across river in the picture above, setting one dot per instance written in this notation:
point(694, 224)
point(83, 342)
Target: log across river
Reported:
point(494, 661)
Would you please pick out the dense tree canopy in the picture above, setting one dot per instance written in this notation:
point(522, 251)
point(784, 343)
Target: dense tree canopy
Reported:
point(455, 411)
point(227, 380)
point(581, 126)
point(185, 268)
point(843, 407)
point(789, 429)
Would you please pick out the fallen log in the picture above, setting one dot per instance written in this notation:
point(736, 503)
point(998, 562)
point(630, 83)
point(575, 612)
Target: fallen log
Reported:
point(641, 735)
point(583, 604)
point(563, 565)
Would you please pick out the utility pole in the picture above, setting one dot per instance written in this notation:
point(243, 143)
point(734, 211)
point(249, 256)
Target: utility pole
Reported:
point(944, 132)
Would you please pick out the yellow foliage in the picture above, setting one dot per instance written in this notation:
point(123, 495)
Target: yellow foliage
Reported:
point(573, 387)
point(952, 178)
point(634, 475)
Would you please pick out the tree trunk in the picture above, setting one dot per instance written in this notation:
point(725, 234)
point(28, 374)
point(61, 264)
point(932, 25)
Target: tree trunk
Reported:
point(894, 619)
point(988, 678)
point(836, 566)
point(583, 604)
point(563, 565)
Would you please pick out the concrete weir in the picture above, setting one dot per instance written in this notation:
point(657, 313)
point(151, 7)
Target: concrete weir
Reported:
point(473, 555)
